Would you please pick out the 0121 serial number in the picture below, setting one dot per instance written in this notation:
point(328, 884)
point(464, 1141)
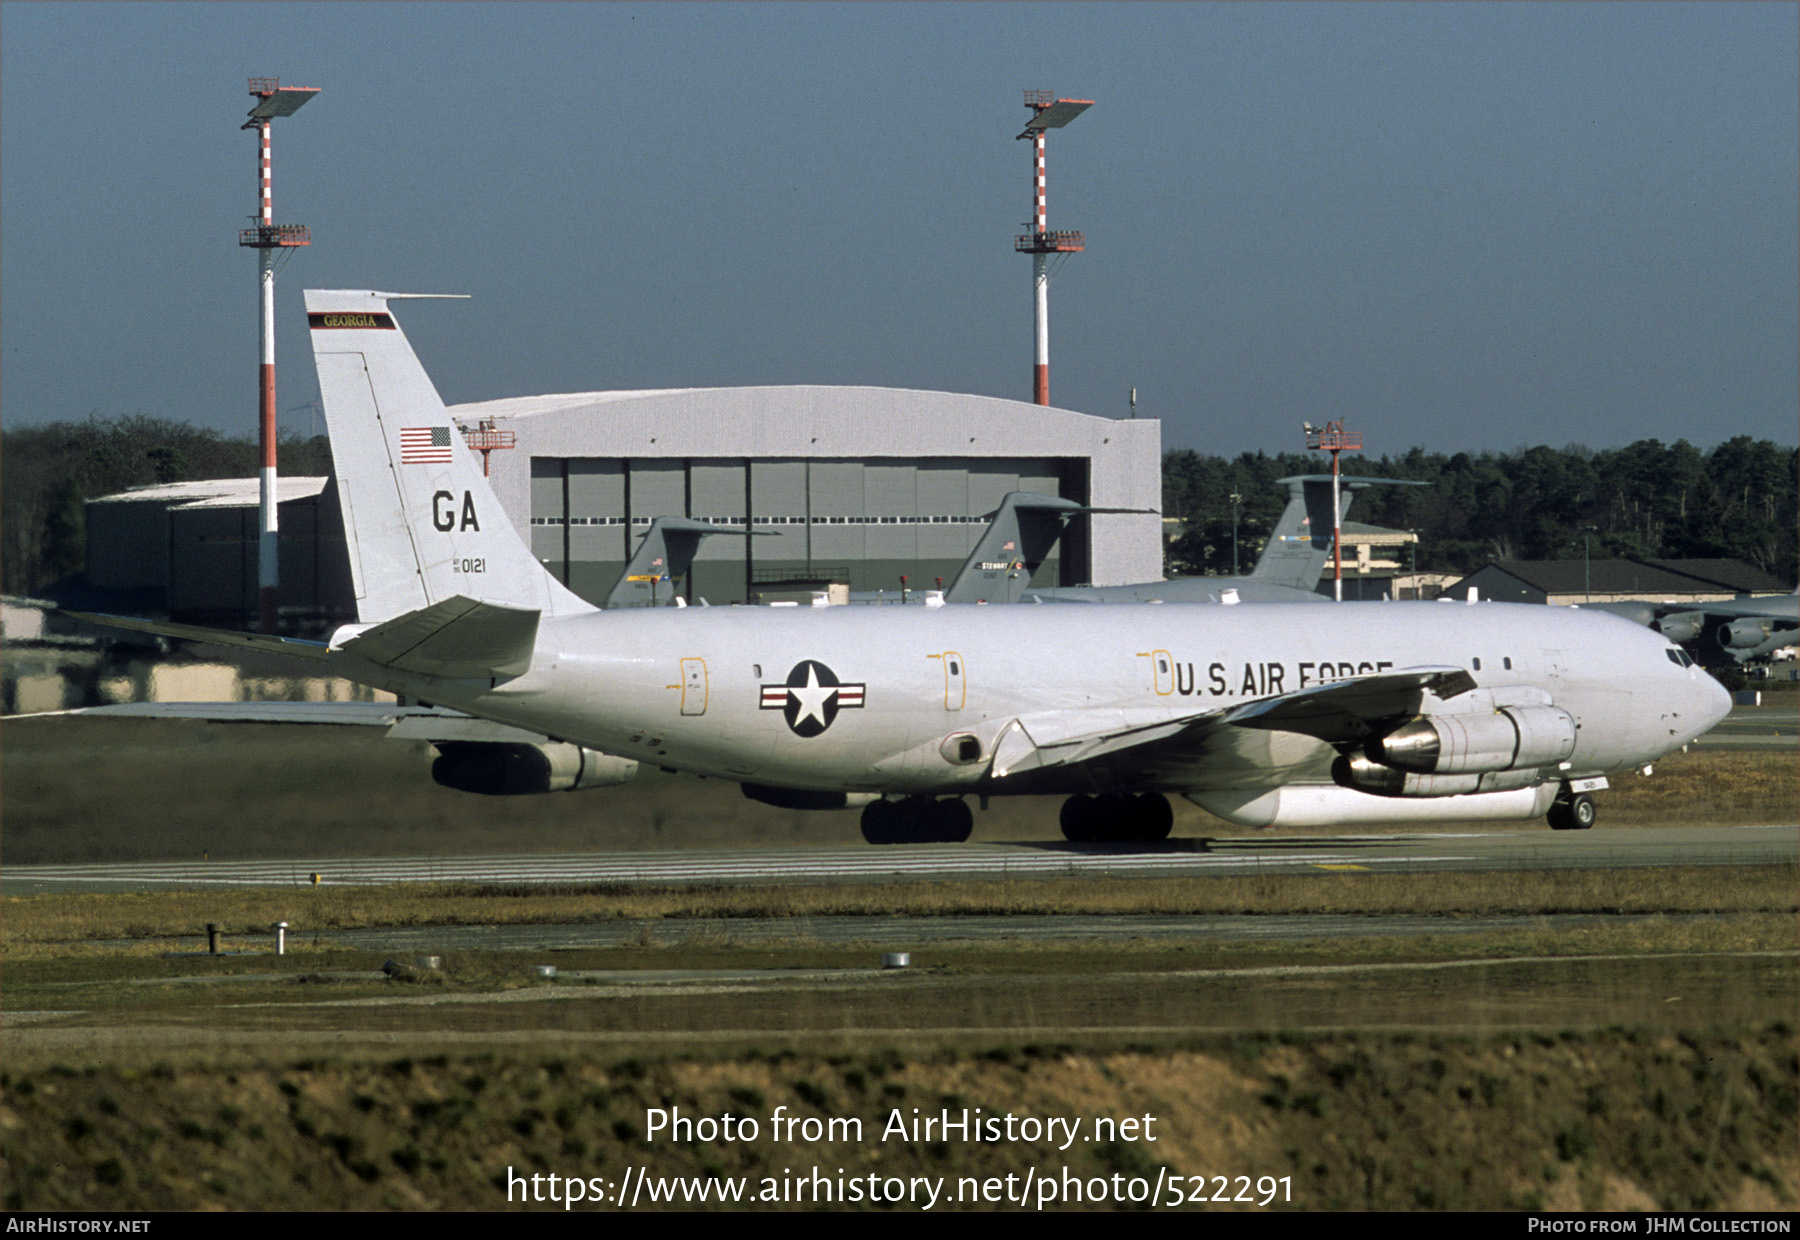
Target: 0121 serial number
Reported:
point(469, 566)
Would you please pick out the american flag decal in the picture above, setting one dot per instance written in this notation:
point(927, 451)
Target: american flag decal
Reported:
point(425, 445)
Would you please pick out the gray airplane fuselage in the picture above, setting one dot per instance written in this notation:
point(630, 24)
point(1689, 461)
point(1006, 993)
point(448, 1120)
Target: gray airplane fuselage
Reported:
point(852, 699)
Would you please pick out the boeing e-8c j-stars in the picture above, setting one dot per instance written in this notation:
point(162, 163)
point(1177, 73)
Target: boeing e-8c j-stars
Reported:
point(1263, 714)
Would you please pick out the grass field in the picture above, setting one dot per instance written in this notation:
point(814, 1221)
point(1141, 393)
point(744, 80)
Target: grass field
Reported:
point(80, 790)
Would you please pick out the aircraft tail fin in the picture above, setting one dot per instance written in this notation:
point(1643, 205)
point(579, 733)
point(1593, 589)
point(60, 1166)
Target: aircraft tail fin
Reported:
point(1300, 543)
point(1020, 535)
point(421, 523)
point(664, 556)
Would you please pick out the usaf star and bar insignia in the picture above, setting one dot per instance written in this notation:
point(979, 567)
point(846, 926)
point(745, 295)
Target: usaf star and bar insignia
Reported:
point(811, 698)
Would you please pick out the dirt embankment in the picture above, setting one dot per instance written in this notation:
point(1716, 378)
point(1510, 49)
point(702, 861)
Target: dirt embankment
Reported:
point(1611, 1120)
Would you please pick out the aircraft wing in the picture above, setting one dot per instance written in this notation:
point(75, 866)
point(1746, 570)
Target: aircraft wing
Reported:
point(1339, 713)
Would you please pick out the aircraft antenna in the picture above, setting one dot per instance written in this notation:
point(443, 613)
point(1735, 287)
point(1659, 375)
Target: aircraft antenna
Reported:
point(1333, 438)
point(1047, 112)
point(270, 240)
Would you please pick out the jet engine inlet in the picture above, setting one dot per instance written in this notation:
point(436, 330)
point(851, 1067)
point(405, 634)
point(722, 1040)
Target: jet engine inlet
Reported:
point(1360, 772)
point(1511, 738)
point(1742, 634)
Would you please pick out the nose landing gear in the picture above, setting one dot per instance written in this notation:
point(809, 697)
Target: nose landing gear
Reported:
point(917, 820)
point(1117, 817)
point(1572, 811)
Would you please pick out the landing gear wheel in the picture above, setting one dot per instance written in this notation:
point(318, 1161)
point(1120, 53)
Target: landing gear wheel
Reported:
point(881, 822)
point(956, 821)
point(1152, 818)
point(1080, 820)
point(1576, 813)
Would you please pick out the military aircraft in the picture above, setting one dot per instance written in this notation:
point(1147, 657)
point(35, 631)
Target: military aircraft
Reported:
point(1360, 713)
point(1738, 629)
point(1026, 526)
point(662, 559)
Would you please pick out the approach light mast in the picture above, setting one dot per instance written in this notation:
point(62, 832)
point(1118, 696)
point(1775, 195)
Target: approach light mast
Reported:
point(269, 240)
point(1047, 112)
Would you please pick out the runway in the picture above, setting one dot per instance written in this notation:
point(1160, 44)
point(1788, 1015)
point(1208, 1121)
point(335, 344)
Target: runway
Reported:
point(1756, 728)
point(1616, 848)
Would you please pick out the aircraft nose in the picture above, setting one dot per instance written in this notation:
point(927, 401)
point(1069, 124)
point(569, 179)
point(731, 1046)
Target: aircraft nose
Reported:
point(1715, 701)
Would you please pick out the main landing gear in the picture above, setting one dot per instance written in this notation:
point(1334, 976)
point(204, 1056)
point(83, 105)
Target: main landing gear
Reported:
point(1572, 811)
point(917, 820)
point(1143, 817)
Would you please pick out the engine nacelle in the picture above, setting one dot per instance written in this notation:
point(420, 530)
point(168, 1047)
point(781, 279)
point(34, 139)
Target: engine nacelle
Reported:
point(1745, 633)
point(1512, 738)
point(505, 770)
point(1361, 772)
point(1682, 626)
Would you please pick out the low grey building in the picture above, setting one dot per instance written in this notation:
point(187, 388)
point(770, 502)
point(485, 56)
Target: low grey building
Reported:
point(1563, 582)
point(188, 549)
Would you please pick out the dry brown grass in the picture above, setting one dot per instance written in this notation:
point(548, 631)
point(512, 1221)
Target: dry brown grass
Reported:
point(1615, 1119)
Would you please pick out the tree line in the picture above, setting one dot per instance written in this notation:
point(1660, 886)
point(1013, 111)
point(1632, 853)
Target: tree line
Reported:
point(1647, 500)
point(49, 472)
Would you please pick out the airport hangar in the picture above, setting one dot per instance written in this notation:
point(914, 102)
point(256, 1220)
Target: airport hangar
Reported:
point(852, 485)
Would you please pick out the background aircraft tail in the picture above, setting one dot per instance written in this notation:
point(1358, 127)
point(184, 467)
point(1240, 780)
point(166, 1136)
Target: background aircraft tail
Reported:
point(421, 522)
point(1018, 539)
point(662, 559)
point(1300, 543)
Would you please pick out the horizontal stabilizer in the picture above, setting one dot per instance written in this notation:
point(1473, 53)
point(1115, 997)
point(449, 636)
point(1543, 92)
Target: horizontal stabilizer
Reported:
point(458, 638)
point(411, 723)
point(265, 642)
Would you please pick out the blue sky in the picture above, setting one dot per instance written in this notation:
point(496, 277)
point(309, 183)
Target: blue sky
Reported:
point(1459, 226)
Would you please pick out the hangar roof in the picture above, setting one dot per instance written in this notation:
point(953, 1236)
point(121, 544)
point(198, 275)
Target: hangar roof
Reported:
point(812, 420)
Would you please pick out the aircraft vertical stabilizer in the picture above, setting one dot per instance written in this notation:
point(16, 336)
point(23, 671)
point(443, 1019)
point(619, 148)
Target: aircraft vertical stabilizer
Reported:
point(421, 522)
point(1300, 544)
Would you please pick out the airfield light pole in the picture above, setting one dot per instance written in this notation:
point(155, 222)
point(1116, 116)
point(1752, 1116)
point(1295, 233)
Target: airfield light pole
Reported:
point(1236, 507)
point(1587, 569)
point(1047, 112)
point(1333, 438)
point(269, 239)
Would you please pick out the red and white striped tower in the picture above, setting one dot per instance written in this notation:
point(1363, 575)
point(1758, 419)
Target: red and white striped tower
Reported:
point(1047, 112)
point(269, 239)
point(1333, 438)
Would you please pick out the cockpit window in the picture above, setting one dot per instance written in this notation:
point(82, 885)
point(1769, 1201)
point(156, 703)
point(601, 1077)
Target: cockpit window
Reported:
point(1678, 656)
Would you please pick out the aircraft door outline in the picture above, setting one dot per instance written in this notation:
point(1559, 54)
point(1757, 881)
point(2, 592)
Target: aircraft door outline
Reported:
point(1162, 672)
point(693, 686)
point(956, 688)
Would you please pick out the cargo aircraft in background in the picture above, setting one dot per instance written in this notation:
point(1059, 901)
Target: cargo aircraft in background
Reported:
point(1359, 713)
point(1022, 532)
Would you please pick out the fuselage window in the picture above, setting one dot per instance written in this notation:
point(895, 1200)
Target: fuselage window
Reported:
point(1477, 665)
point(1507, 663)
